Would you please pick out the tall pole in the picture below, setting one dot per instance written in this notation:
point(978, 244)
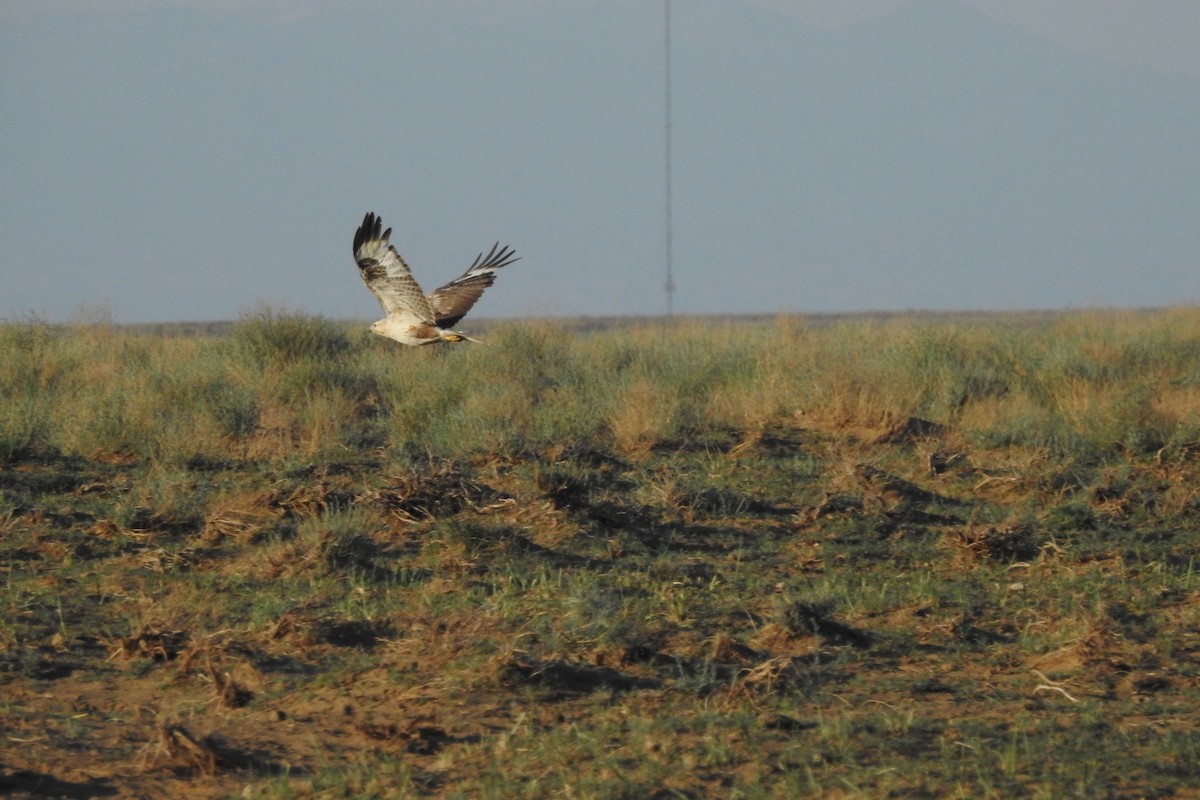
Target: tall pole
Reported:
point(670, 284)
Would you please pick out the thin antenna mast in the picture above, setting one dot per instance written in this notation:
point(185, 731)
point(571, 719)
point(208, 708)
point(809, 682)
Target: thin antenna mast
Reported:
point(670, 284)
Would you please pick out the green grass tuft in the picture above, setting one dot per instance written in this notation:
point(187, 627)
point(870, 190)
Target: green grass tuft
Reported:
point(875, 557)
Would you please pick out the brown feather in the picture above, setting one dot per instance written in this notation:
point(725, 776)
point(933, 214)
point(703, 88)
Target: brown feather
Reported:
point(408, 309)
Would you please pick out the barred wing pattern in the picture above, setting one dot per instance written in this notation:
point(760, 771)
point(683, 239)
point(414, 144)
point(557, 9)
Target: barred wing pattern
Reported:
point(386, 274)
point(452, 301)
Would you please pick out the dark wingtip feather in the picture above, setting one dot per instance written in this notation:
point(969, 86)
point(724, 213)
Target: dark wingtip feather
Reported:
point(369, 230)
point(494, 259)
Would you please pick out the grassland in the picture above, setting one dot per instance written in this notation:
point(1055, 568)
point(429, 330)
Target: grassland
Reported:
point(902, 557)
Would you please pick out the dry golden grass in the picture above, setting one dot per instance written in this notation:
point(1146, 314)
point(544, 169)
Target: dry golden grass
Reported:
point(644, 415)
point(716, 558)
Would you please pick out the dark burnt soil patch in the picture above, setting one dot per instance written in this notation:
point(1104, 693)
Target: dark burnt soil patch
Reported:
point(784, 614)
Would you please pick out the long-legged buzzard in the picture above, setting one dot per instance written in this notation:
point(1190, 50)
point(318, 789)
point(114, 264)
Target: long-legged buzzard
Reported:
point(413, 317)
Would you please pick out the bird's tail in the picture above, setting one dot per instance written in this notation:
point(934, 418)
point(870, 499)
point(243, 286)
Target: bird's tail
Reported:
point(455, 336)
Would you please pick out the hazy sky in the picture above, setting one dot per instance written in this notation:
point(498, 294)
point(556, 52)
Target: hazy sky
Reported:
point(1162, 34)
point(170, 160)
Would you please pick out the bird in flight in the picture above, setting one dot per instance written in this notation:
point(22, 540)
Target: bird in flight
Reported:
point(414, 318)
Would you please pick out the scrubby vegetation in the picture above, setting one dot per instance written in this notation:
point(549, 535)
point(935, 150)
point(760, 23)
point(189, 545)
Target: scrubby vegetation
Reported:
point(904, 557)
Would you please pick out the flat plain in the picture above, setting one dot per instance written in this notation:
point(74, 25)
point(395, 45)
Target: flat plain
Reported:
point(855, 558)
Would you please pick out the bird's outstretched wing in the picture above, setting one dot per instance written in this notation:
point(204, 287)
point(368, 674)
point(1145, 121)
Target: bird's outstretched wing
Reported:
point(452, 301)
point(386, 274)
